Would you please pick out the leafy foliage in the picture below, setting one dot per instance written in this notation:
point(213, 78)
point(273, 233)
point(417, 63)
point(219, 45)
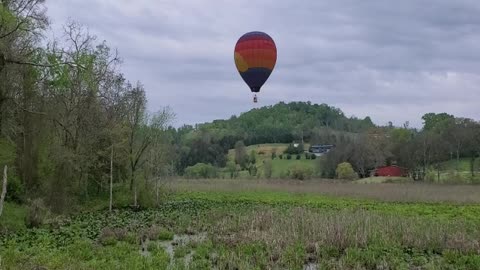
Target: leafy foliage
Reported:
point(283, 122)
point(345, 171)
point(201, 170)
point(299, 172)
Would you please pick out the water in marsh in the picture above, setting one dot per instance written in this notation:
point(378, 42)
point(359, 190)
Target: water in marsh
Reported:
point(178, 241)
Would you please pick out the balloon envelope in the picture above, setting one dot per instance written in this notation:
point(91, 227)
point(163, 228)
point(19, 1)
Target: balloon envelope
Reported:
point(255, 58)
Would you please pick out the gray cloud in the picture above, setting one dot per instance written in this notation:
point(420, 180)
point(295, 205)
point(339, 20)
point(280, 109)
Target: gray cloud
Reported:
point(393, 61)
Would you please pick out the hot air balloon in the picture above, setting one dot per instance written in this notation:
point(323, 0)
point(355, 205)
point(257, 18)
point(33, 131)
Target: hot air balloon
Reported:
point(255, 58)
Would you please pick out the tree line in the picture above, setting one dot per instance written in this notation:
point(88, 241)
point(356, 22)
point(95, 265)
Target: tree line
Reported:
point(70, 122)
point(443, 137)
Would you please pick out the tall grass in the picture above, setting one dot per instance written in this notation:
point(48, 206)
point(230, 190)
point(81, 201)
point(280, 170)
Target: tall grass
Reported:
point(346, 229)
point(406, 192)
point(241, 235)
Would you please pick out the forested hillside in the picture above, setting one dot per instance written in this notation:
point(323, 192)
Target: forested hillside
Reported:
point(285, 122)
point(280, 123)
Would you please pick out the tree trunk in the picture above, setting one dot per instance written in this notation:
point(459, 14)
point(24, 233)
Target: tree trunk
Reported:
point(135, 196)
point(156, 190)
point(458, 156)
point(424, 167)
point(133, 186)
point(4, 189)
point(472, 165)
point(111, 180)
point(132, 177)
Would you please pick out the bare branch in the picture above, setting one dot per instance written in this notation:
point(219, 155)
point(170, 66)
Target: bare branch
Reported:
point(32, 112)
point(71, 64)
point(13, 30)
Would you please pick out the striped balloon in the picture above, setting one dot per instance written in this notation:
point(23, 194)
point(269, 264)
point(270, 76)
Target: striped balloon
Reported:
point(255, 58)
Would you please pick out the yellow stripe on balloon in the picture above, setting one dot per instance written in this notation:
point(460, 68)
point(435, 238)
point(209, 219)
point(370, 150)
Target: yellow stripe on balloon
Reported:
point(241, 64)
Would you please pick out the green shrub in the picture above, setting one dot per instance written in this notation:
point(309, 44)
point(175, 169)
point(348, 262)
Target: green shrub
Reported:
point(299, 157)
point(252, 170)
point(120, 234)
point(431, 176)
point(165, 235)
point(181, 251)
point(201, 170)
point(252, 158)
point(15, 188)
point(131, 238)
point(153, 232)
point(156, 233)
point(146, 195)
point(300, 172)
point(107, 237)
point(274, 155)
point(267, 169)
point(313, 156)
point(307, 156)
point(289, 156)
point(37, 213)
point(345, 171)
point(13, 218)
point(153, 247)
point(232, 169)
point(280, 156)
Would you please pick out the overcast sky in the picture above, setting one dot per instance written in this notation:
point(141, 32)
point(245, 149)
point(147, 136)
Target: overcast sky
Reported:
point(390, 60)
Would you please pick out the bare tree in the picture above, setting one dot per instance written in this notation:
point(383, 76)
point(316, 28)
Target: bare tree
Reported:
point(139, 138)
point(144, 132)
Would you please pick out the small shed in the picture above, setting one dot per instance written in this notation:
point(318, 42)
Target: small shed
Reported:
point(392, 170)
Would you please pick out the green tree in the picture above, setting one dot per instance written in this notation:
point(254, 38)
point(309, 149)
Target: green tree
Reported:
point(300, 172)
point(253, 157)
point(241, 156)
point(436, 121)
point(267, 168)
point(201, 170)
point(232, 169)
point(345, 171)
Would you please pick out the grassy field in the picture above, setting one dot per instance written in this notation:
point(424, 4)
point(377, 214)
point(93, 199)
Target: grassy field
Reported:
point(380, 180)
point(388, 192)
point(450, 171)
point(280, 167)
point(259, 224)
point(455, 172)
point(462, 165)
point(266, 149)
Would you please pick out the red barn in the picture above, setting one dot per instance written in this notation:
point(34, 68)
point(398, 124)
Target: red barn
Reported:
point(392, 170)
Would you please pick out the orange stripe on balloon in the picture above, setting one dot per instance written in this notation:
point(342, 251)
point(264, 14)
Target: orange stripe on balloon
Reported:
point(255, 44)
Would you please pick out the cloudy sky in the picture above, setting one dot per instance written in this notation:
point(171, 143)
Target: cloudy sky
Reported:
point(391, 60)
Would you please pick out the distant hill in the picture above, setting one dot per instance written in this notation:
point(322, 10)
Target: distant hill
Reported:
point(285, 122)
